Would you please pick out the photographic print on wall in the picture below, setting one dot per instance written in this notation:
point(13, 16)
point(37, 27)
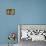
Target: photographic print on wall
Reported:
point(32, 32)
point(10, 11)
point(12, 38)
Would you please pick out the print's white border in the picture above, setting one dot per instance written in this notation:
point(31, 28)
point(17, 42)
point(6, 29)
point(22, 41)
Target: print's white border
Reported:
point(18, 33)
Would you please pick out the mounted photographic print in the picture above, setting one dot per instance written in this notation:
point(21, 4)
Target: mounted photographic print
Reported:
point(12, 38)
point(10, 11)
point(32, 32)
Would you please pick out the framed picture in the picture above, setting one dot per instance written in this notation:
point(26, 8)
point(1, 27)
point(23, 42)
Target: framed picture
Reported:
point(10, 11)
point(32, 32)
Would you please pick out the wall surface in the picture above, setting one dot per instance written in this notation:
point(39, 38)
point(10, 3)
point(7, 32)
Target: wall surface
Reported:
point(27, 12)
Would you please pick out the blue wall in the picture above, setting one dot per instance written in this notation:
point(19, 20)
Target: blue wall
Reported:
point(27, 12)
